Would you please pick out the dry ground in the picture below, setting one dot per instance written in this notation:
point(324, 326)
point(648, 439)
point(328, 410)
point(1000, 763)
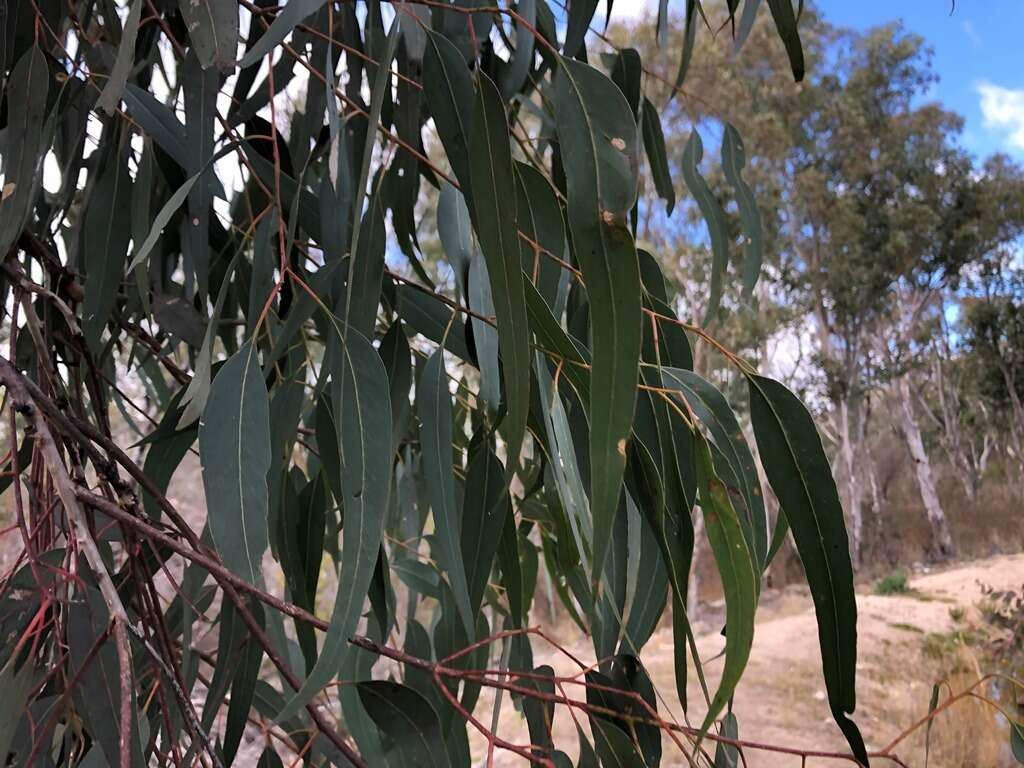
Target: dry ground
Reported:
point(906, 643)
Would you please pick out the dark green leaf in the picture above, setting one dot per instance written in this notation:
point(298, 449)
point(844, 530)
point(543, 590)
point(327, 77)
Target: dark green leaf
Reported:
point(213, 30)
point(483, 516)
point(434, 407)
point(234, 446)
point(799, 473)
point(738, 580)
point(711, 210)
point(286, 20)
point(361, 405)
point(106, 245)
point(654, 146)
point(785, 23)
point(114, 87)
point(26, 99)
point(1017, 741)
point(409, 729)
point(733, 160)
point(714, 411)
point(727, 755)
point(449, 88)
point(494, 209)
point(598, 140)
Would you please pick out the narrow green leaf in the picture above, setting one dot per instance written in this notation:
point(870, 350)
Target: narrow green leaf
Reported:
point(243, 688)
point(485, 336)
point(409, 728)
point(483, 516)
point(106, 245)
point(494, 209)
point(213, 30)
point(714, 411)
point(738, 580)
point(747, 19)
point(785, 23)
point(689, 40)
point(396, 354)
point(654, 146)
point(514, 76)
point(799, 473)
point(713, 217)
point(201, 89)
point(161, 221)
point(449, 90)
point(361, 403)
point(540, 218)
point(434, 407)
point(290, 16)
point(581, 13)
point(234, 447)
point(367, 270)
point(27, 91)
point(455, 231)
point(727, 755)
point(597, 135)
point(114, 87)
point(1017, 741)
point(733, 159)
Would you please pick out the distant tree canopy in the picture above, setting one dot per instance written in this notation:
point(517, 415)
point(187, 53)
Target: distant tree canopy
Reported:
point(212, 223)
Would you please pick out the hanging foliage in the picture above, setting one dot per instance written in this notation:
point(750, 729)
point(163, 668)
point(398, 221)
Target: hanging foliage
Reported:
point(218, 228)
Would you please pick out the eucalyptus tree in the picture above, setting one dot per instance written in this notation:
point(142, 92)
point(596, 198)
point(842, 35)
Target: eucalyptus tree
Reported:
point(211, 223)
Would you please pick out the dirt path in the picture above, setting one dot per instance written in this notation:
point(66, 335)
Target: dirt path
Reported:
point(905, 643)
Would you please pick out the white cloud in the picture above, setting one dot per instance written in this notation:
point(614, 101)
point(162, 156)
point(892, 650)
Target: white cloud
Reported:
point(1003, 111)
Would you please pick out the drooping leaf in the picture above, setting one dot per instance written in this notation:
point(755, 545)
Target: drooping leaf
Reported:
point(200, 88)
point(290, 16)
point(213, 30)
point(106, 245)
point(409, 728)
point(598, 140)
point(1017, 741)
point(785, 23)
point(711, 210)
point(234, 447)
point(361, 405)
point(657, 157)
point(483, 516)
point(114, 87)
point(434, 407)
point(733, 160)
point(799, 473)
point(22, 160)
point(738, 580)
point(715, 413)
point(727, 755)
point(447, 84)
point(494, 212)
point(519, 65)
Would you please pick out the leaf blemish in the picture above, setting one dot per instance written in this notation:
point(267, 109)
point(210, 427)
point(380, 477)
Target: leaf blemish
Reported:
point(619, 144)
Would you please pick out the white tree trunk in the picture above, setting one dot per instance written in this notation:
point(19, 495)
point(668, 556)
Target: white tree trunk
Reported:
point(923, 469)
point(851, 481)
point(693, 583)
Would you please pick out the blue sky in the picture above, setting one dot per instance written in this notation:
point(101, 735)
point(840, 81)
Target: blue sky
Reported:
point(979, 58)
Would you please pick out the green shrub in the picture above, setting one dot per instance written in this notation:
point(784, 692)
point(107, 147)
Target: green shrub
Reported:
point(896, 583)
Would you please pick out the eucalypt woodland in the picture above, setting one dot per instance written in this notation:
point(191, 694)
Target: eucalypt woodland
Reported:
point(375, 265)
